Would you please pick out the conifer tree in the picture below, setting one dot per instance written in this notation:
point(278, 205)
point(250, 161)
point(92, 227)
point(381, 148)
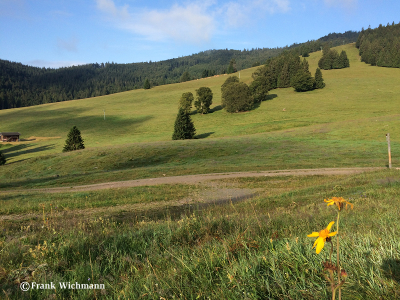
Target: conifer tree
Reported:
point(185, 76)
point(344, 61)
point(2, 159)
point(319, 81)
point(284, 78)
point(74, 140)
point(184, 127)
point(303, 81)
point(146, 84)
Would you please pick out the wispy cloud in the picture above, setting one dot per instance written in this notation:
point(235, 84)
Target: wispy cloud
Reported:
point(53, 64)
point(193, 22)
point(182, 23)
point(238, 13)
point(70, 45)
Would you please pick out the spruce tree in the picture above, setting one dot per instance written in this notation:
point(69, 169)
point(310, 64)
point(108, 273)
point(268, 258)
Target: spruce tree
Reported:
point(185, 76)
point(303, 81)
point(74, 140)
point(2, 159)
point(284, 77)
point(146, 84)
point(184, 127)
point(319, 81)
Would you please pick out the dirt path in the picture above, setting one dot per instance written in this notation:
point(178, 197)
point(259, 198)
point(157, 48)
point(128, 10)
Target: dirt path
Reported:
point(195, 179)
point(212, 193)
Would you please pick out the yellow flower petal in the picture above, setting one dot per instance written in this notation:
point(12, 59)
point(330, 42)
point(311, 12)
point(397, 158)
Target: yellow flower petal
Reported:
point(314, 234)
point(315, 243)
point(332, 233)
point(320, 245)
point(329, 226)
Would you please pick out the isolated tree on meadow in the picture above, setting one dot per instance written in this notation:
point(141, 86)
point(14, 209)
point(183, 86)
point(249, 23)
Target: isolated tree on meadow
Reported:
point(146, 84)
point(74, 140)
point(184, 127)
point(319, 81)
point(2, 159)
point(186, 102)
point(204, 100)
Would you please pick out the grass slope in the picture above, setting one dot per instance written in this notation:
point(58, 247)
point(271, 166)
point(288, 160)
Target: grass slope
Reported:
point(343, 124)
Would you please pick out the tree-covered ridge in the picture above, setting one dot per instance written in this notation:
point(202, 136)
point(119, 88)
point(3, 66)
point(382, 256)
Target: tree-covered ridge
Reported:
point(22, 85)
point(380, 46)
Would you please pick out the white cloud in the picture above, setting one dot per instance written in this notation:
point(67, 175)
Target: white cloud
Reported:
point(193, 22)
point(53, 64)
point(70, 45)
point(241, 12)
point(182, 23)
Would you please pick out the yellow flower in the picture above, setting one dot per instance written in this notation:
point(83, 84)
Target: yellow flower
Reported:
point(323, 235)
point(339, 202)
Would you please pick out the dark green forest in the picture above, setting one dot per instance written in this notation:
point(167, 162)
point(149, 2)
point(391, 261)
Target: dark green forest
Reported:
point(380, 46)
point(22, 85)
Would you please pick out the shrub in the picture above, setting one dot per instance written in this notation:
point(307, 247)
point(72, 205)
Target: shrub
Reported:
point(237, 97)
point(186, 101)
point(204, 100)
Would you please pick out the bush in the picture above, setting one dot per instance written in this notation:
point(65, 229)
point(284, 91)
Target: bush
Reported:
point(237, 97)
point(204, 100)
point(186, 101)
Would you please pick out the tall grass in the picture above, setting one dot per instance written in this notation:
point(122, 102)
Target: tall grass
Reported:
point(256, 249)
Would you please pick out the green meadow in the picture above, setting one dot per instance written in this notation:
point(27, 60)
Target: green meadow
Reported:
point(343, 124)
point(177, 242)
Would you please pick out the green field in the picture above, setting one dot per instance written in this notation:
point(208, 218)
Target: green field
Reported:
point(148, 243)
point(343, 124)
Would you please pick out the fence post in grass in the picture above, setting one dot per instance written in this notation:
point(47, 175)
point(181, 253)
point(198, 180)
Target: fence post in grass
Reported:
point(390, 156)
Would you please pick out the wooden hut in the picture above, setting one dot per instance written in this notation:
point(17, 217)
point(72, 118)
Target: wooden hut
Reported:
point(9, 136)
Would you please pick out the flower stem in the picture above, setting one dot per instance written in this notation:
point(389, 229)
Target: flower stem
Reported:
point(337, 250)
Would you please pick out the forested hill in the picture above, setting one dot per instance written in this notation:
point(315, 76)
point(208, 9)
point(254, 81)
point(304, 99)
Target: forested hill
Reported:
point(22, 85)
point(380, 46)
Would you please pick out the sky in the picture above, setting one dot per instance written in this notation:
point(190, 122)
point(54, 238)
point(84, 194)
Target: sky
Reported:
point(60, 33)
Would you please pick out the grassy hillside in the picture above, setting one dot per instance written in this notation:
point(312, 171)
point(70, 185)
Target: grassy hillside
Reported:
point(343, 124)
point(177, 241)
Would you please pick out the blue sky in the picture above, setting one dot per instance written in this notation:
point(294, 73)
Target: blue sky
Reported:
point(55, 33)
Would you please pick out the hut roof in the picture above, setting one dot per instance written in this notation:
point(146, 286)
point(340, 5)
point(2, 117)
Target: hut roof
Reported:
point(10, 133)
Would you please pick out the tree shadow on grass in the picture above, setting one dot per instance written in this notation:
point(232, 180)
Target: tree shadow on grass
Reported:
point(215, 108)
point(391, 269)
point(21, 149)
point(203, 135)
point(269, 97)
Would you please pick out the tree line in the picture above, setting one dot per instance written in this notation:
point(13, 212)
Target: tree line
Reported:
point(380, 46)
point(22, 85)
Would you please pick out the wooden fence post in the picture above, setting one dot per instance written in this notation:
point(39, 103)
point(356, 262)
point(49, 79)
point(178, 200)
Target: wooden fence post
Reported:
point(390, 156)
